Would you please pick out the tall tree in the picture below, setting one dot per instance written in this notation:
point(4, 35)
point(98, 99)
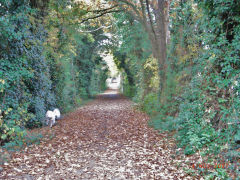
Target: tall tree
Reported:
point(152, 14)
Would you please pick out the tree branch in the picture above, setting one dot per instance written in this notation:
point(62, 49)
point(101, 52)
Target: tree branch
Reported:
point(130, 4)
point(146, 25)
point(95, 17)
point(150, 17)
point(102, 10)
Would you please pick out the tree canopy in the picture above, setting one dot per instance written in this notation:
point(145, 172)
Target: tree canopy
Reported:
point(179, 60)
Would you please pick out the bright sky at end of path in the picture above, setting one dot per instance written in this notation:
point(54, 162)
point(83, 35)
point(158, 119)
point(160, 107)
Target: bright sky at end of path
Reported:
point(108, 58)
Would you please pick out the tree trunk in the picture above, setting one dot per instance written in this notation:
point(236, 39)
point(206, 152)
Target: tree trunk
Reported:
point(161, 47)
point(156, 31)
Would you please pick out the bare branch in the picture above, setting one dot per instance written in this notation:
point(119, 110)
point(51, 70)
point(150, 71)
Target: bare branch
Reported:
point(94, 17)
point(97, 16)
point(102, 10)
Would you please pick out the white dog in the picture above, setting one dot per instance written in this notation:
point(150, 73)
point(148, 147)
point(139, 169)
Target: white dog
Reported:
point(50, 116)
point(57, 113)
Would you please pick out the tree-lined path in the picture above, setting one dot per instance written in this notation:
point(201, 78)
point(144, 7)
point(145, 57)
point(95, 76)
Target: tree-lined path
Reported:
point(105, 139)
point(178, 60)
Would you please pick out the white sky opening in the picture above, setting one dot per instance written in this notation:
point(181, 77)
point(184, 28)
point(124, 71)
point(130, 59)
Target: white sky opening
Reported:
point(114, 79)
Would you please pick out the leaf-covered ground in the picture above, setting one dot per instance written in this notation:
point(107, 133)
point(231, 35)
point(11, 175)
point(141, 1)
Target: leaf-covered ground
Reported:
point(105, 139)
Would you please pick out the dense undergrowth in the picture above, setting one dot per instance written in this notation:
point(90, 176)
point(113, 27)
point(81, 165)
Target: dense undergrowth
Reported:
point(202, 94)
point(44, 63)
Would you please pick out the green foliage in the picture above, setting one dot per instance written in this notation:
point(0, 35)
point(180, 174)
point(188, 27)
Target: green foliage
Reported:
point(25, 140)
point(202, 91)
point(17, 69)
point(150, 103)
point(131, 55)
point(201, 98)
point(98, 79)
point(44, 63)
point(218, 174)
point(194, 128)
point(211, 101)
point(129, 90)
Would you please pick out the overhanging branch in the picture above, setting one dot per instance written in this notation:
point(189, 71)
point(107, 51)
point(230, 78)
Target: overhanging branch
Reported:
point(135, 13)
point(97, 16)
point(94, 17)
point(103, 10)
point(132, 5)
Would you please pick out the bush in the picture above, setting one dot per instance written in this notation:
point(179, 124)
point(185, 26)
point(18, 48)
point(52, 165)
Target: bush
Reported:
point(43, 65)
point(150, 103)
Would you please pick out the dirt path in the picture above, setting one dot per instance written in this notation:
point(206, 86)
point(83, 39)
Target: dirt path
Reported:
point(106, 139)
